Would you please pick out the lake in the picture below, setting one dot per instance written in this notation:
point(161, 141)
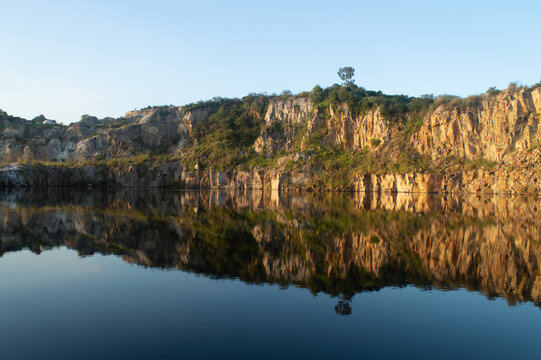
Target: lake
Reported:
point(213, 274)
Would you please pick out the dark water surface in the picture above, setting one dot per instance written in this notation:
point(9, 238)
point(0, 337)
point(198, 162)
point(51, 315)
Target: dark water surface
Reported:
point(150, 274)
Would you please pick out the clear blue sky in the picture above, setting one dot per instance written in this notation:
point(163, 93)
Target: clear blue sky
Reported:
point(67, 58)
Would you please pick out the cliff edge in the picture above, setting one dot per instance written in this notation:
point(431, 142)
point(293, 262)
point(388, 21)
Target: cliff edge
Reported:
point(339, 138)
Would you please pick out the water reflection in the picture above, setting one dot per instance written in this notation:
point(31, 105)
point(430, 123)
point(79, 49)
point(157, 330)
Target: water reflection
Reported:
point(337, 244)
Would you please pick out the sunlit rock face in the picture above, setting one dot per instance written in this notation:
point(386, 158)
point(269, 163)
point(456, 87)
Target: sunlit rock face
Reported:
point(336, 244)
point(94, 152)
point(284, 120)
point(289, 123)
point(506, 122)
point(176, 174)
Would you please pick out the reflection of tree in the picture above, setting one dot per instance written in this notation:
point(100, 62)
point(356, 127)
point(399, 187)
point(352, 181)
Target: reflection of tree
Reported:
point(344, 305)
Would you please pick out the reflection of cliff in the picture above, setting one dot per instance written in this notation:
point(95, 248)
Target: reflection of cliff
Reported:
point(336, 244)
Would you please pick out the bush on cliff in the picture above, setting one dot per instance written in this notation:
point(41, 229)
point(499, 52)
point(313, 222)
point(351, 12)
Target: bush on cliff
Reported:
point(225, 138)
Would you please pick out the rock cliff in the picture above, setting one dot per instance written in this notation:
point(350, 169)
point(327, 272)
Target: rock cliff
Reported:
point(505, 123)
point(488, 144)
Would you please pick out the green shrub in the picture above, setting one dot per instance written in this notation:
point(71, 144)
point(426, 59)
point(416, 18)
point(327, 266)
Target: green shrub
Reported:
point(493, 91)
point(374, 239)
point(375, 142)
point(224, 140)
point(480, 163)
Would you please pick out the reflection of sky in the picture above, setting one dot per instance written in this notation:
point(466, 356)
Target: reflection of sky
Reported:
point(58, 305)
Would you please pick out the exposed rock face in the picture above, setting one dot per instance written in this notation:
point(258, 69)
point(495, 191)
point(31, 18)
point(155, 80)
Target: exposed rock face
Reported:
point(504, 128)
point(143, 130)
point(175, 174)
point(283, 122)
point(14, 176)
point(289, 123)
point(505, 123)
point(356, 132)
point(92, 138)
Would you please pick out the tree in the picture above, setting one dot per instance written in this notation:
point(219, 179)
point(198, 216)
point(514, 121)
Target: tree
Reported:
point(317, 94)
point(286, 93)
point(344, 305)
point(493, 90)
point(346, 75)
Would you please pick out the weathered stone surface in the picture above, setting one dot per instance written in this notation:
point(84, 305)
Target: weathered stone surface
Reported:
point(356, 132)
point(504, 128)
point(288, 123)
point(283, 122)
point(505, 123)
point(174, 174)
point(92, 138)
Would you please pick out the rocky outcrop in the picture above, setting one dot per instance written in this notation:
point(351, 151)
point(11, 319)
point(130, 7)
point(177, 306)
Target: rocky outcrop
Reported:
point(284, 120)
point(290, 123)
point(501, 128)
point(175, 174)
point(14, 175)
point(141, 131)
point(505, 123)
point(356, 132)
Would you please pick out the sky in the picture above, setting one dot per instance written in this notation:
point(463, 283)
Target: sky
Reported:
point(68, 58)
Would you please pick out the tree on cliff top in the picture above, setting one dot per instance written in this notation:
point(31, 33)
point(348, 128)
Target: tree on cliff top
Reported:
point(346, 75)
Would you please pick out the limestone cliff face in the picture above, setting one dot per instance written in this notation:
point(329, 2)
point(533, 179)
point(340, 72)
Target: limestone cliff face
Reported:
point(505, 123)
point(137, 132)
point(356, 132)
point(144, 130)
point(175, 174)
point(284, 120)
point(503, 128)
point(289, 123)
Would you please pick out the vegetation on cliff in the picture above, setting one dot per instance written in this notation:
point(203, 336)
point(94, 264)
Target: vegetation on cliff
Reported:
point(225, 138)
point(333, 134)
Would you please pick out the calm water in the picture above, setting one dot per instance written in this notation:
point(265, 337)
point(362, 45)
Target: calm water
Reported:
point(141, 274)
